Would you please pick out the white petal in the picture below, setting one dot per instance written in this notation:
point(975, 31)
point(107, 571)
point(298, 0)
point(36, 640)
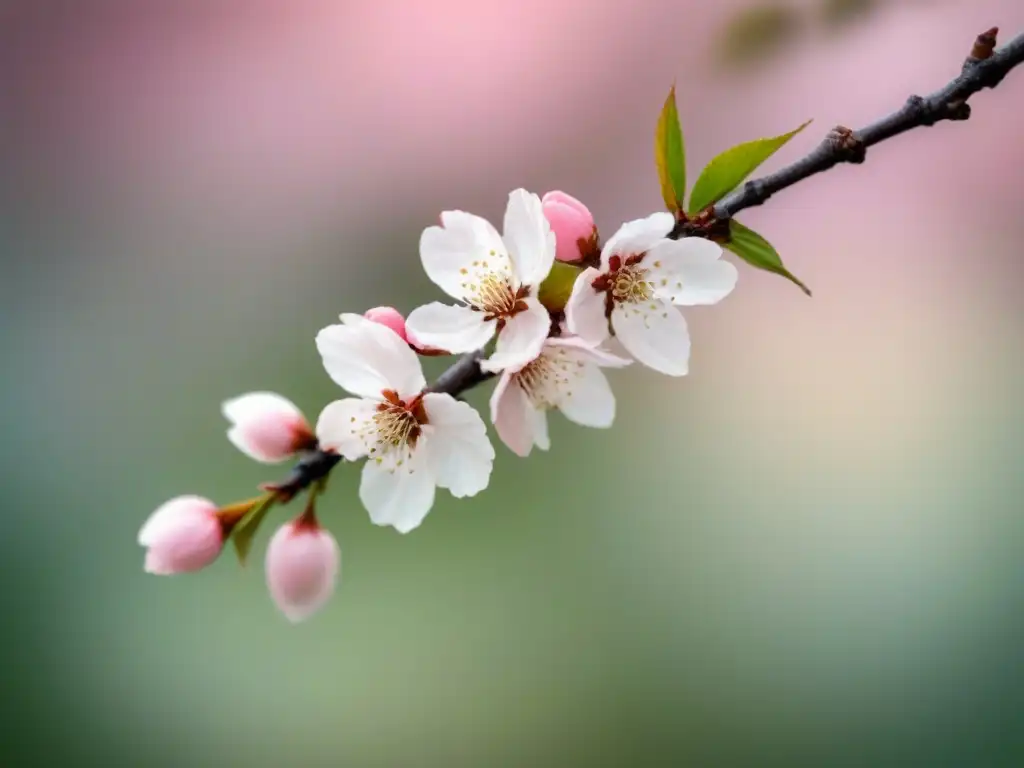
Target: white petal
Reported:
point(450, 328)
point(398, 497)
point(590, 401)
point(510, 414)
point(638, 236)
point(584, 312)
point(689, 272)
point(581, 350)
point(529, 238)
point(367, 358)
point(455, 251)
point(521, 340)
point(655, 334)
point(346, 427)
point(458, 447)
point(539, 426)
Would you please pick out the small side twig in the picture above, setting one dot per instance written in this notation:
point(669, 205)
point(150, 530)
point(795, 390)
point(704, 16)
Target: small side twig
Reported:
point(984, 68)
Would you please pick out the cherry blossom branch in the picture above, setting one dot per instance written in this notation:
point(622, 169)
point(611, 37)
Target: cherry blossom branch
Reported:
point(517, 289)
point(984, 68)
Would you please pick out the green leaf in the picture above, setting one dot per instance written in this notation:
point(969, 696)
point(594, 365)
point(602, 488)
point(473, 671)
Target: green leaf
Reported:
point(670, 155)
point(758, 252)
point(245, 530)
point(556, 289)
point(727, 171)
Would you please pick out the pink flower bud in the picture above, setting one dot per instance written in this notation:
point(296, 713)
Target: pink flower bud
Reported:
point(302, 566)
point(571, 222)
point(267, 427)
point(389, 317)
point(183, 535)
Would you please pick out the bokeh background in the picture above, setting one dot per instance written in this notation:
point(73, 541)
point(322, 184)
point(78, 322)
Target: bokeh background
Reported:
point(808, 552)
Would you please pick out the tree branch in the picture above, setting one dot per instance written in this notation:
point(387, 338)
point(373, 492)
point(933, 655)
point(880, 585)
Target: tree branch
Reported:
point(982, 69)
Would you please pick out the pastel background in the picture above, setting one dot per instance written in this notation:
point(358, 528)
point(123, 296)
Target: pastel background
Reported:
point(808, 552)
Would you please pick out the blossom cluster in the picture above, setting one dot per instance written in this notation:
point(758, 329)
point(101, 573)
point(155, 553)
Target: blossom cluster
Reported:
point(547, 353)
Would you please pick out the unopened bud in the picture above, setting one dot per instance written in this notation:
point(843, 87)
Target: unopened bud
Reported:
point(184, 534)
point(302, 565)
point(267, 427)
point(573, 225)
point(389, 317)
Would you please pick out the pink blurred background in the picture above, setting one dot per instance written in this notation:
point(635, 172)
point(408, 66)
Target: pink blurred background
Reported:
point(818, 557)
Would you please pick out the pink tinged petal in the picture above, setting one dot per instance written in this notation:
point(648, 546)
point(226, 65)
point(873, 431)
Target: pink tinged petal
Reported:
point(458, 447)
point(510, 413)
point(655, 334)
point(638, 236)
point(402, 496)
point(346, 427)
point(562, 198)
point(266, 427)
point(451, 328)
point(521, 340)
point(590, 401)
point(302, 565)
point(570, 221)
point(531, 243)
point(389, 317)
point(690, 272)
point(182, 535)
point(455, 252)
point(584, 312)
point(366, 358)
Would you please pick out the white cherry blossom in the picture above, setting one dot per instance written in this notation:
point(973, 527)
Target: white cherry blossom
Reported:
point(566, 375)
point(496, 278)
point(414, 441)
point(642, 275)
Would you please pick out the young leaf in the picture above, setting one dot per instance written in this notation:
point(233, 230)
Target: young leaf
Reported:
point(670, 155)
point(245, 531)
point(556, 289)
point(728, 170)
point(758, 252)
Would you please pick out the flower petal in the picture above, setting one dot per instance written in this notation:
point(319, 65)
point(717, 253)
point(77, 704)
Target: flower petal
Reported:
point(450, 328)
point(584, 312)
point(689, 272)
point(510, 414)
point(366, 358)
point(590, 401)
point(521, 340)
point(460, 452)
point(539, 426)
point(399, 497)
point(580, 350)
point(638, 236)
point(531, 243)
point(655, 334)
point(346, 427)
point(455, 251)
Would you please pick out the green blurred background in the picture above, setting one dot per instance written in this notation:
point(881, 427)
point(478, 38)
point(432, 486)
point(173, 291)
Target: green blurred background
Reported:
point(808, 552)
